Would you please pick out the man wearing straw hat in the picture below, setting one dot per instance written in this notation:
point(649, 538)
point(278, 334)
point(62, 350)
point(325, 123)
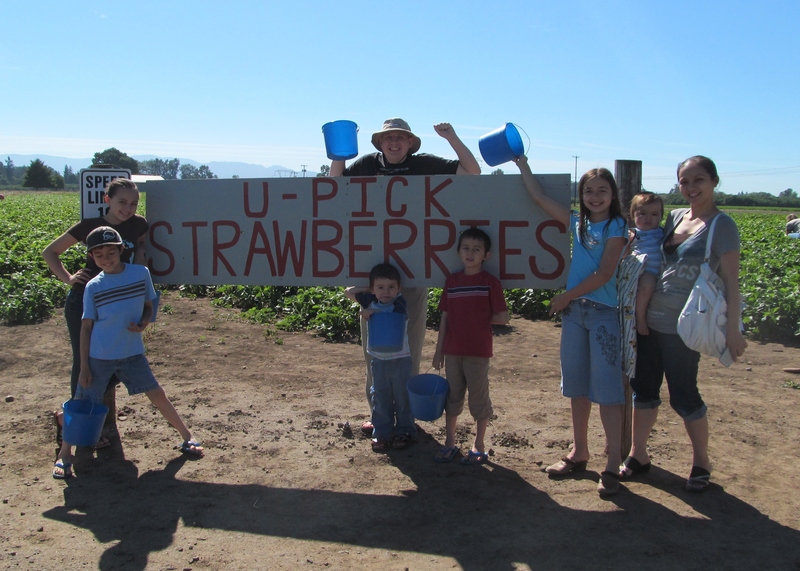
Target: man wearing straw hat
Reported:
point(397, 146)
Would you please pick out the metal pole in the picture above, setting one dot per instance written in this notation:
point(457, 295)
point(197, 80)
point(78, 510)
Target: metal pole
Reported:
point(575, 181)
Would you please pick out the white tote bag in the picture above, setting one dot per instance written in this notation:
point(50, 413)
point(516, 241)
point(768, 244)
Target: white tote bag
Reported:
point(702, 322)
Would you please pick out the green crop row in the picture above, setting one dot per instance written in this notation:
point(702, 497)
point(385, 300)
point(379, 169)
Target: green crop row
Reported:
point(770, 278)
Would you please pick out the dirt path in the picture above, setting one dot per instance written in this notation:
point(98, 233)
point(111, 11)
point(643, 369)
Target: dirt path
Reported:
point(282, 488)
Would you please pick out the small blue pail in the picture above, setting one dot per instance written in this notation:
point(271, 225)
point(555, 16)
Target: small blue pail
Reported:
point(501, 145)
point(427, 394)
point(386, 332)
point(83, 422)
point(341, 140)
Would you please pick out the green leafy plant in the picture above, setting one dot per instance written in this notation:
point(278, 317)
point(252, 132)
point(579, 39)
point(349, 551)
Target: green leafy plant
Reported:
point(769, 278)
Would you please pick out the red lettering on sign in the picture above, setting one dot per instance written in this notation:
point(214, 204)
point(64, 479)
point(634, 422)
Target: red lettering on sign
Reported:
point(390, 248)
point(160, 248)
point(353, 246)
point(219, 246)
point(561, 263)
point(317, 194)
point(195, 258)
point(259, 234)
point(249, 212)
point(290, 249)
point(430, 201)
point(504, 251)
point(431, 249)
point(319, 245)
point(399, 212)
point(363, 181)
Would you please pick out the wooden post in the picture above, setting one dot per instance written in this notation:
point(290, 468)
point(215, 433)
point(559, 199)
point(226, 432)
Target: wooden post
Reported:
point(629, 180)
point(628, 175)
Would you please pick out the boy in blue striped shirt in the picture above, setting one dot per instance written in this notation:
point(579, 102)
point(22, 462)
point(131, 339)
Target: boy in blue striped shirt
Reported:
point(117, 307)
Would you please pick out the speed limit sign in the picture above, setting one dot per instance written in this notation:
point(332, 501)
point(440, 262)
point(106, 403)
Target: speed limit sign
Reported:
point(93, 189)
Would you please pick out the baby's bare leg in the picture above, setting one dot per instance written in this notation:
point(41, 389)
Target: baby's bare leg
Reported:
point(647, 286)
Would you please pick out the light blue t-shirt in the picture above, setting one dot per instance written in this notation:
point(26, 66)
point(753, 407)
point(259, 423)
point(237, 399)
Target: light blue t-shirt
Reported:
point(586, 258)
point(113, 302)
point(649, 242)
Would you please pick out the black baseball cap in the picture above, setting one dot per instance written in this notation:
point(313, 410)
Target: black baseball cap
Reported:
point(103, 236)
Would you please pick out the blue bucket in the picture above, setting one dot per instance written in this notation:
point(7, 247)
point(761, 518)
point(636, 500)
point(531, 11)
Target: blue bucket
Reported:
point(83, 422)
point(386, 331)
point(427, 394)
point(501, 145)
point(341, 141)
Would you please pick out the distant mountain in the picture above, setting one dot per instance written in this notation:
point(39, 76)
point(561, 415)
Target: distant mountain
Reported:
point(223, 169)
point(57, 163)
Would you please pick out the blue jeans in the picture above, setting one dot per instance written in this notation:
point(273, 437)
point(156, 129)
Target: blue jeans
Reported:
point(591, 354)
point(73, 311)
point(665, 354)
point(391, 410)
point(134, 372)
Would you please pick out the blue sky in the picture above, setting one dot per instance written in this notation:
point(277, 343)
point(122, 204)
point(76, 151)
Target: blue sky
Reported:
point(255, 81)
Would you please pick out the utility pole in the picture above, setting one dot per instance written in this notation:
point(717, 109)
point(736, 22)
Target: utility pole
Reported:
point(304, 170)
point(575, 181)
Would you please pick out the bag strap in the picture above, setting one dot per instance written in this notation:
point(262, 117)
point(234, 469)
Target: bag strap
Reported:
point(710, 237)
point(628, 241)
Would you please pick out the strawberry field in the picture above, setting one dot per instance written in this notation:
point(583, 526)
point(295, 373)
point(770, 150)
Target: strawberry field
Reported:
point(770, 278)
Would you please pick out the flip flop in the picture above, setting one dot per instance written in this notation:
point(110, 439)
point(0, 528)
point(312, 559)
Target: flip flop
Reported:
point(62, 470)
point(699, 480)
point(566, 466)
point(192, 448)
point(609, 483)
point(446, 454)
point(473, 458)
point(632, 467)
point(102, 443)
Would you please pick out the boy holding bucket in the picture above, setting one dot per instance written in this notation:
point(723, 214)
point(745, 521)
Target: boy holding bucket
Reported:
point(385, 309)
point(117, 306)
point(472, 301)
point(397, 147)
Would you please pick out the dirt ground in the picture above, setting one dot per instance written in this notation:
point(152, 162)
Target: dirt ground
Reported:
point(282, 487)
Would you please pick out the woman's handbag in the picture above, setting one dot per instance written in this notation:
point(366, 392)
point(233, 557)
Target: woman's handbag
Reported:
point(702, 322)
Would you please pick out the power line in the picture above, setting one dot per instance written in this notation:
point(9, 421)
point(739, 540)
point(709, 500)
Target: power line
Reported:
point(758, 172)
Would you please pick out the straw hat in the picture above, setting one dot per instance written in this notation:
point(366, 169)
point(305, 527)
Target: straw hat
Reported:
point(396, 124)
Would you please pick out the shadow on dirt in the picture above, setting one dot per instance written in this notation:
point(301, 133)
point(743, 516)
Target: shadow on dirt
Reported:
point(453, 511)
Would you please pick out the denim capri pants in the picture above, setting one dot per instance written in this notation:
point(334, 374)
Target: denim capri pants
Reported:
point(665, 354)
point(134, 372)
point(591, 354)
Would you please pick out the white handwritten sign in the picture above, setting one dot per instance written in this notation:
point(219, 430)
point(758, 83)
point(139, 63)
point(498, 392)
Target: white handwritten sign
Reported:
point(331, 231)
